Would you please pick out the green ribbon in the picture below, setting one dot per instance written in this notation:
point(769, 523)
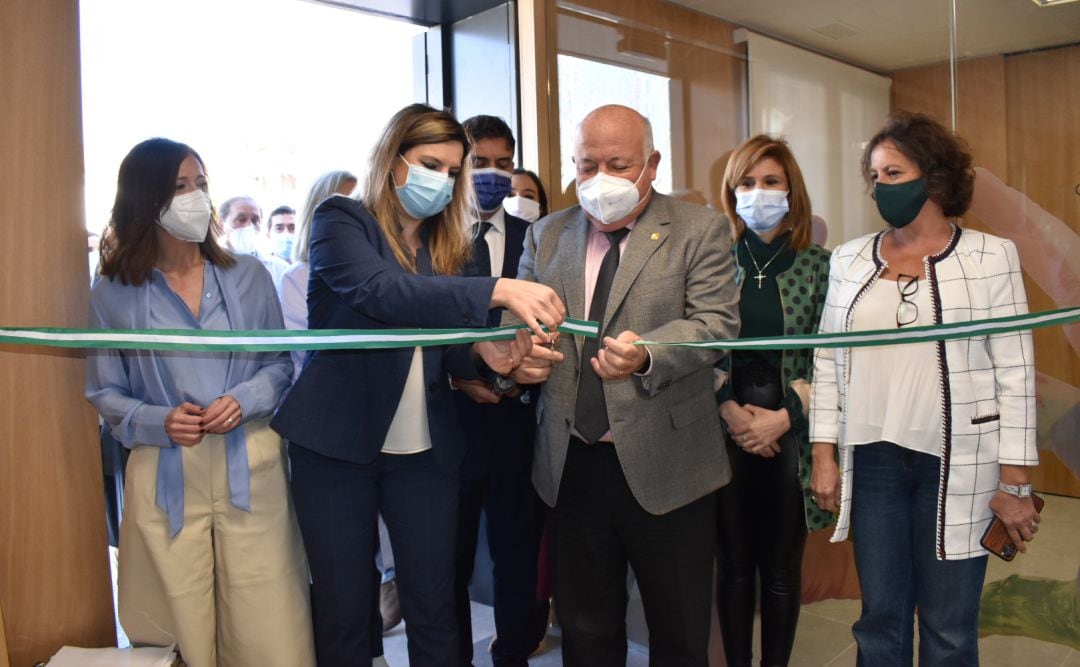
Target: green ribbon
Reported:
point(261, 340)
point(193, 340)
point(931, 332)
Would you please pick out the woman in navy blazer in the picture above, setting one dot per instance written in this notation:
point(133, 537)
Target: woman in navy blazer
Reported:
point(376, 430)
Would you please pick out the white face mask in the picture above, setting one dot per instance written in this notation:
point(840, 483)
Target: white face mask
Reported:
point(520, 207)
point(187, 217)
point(607, 198)
point(244, 240)
point(761, 210)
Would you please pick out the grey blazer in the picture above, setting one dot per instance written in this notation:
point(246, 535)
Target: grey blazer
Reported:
point(676, 282)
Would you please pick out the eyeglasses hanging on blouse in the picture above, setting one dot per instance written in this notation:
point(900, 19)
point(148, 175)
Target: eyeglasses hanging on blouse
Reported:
point(907, 312)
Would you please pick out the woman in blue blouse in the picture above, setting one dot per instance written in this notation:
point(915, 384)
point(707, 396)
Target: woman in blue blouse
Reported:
point(376, 431)
point(209, 541)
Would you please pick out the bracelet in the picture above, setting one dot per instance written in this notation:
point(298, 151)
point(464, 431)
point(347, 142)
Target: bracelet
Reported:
point(1018, 490)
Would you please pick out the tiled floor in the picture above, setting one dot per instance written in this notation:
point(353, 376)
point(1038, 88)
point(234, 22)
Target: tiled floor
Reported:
point(550, 654)
point(824, 633)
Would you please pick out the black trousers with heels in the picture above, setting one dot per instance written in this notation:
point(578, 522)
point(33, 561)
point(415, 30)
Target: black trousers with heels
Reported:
point(762, 533)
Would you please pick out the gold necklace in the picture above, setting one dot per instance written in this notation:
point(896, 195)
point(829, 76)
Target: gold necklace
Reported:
point(760, 277)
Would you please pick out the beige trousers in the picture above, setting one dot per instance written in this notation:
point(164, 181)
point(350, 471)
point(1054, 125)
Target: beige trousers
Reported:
point(232, 588)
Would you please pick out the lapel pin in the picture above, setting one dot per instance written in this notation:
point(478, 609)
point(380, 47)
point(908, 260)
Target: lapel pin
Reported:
point(655, 236)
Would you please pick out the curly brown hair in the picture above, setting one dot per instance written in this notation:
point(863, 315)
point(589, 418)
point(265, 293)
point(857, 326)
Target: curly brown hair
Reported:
point(943, 158)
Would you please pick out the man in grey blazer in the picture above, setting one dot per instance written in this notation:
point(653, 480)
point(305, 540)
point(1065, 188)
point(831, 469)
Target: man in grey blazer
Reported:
point(628, 449)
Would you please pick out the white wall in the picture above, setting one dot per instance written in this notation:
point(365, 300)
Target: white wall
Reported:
point(826, 110)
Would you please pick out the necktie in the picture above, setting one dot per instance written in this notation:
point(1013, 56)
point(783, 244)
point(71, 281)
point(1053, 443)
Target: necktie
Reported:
point(481, 252)
point(591, 419)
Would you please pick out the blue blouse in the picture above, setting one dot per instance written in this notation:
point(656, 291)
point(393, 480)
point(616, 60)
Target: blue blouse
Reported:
point(134, 390)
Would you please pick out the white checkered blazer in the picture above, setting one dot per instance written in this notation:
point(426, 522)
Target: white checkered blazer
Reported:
point(987, 383)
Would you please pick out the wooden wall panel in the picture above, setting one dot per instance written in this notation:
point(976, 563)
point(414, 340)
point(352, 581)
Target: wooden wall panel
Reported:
point(54, 570)
point(1043, 132)
point(1020, 116)
point(706, 67)
point(980, 103)
point(4, 662)
point(537, 135)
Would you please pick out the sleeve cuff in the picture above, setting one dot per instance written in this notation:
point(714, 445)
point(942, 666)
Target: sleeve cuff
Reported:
point(245, 397)
point(148, 426)
point(647, 372)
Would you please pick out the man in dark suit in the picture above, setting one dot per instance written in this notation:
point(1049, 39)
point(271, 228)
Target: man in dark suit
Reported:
point(628, 450)
point(499, 422)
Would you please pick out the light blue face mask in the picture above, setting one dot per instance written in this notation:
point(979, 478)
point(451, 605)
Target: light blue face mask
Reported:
point(283, 245)
point(426, 192)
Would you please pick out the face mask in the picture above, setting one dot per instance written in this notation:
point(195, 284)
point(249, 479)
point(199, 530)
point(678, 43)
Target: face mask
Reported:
point(899, 204)
point(426, 192)
point(607, 198)
point(491, 185)
point(187, 217)
point(761, 210)
point(244, 240)
point(282, 245)
point(523, 208)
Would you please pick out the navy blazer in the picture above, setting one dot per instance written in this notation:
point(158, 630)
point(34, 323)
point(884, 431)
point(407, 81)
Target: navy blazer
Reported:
point(343, 402)
point(510, 422)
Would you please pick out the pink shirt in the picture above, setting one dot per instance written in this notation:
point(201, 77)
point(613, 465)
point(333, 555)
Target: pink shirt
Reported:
point(595, 250)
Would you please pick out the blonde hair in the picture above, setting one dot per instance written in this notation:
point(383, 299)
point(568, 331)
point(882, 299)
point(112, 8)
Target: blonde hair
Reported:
point(414, 125)
point(743, 159)
point(324, 186)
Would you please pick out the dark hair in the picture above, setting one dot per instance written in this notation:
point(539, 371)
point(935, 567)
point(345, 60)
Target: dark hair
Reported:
point(144, 188)
point(540, 191)
point(489, 127)
point(943, 158)
point(281, 210)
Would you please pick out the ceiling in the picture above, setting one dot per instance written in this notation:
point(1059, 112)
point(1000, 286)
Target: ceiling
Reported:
point(887, 35)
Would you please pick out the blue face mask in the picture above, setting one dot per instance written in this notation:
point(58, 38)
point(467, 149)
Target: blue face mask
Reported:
point(283, 245)
point(426, 192)
point(491, 185)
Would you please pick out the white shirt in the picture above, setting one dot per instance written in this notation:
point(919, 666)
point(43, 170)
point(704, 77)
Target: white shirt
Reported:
point(274, 264)
point(899, 397)
point(293, 294)
point(496, 240)
point(409, 433)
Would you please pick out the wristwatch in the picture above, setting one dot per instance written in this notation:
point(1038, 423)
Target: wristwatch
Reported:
point(1020, 491)
point(502, 385)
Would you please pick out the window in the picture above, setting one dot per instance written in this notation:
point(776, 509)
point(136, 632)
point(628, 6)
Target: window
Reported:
point(271, 93)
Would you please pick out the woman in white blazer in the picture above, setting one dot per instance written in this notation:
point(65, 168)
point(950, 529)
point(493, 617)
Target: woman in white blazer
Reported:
point(934, 438)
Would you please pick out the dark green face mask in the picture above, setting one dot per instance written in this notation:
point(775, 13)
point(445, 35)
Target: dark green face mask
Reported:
point(899, 204)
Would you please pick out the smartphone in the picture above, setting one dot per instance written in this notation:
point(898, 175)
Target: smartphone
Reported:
point(996, 538)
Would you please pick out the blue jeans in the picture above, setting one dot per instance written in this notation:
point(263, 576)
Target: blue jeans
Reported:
point(894, 498)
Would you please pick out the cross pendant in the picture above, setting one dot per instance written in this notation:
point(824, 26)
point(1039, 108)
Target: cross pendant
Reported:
point(760, 277)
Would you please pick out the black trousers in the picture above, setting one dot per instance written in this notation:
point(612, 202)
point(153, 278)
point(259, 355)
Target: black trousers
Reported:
point(496, 479)
point(762, 531)
point(597, 529)
point(337, 504)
